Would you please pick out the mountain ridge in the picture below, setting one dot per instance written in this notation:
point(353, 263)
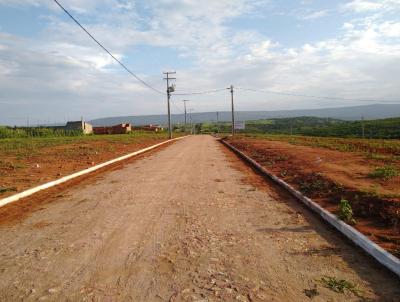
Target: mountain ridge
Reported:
point(373, 111)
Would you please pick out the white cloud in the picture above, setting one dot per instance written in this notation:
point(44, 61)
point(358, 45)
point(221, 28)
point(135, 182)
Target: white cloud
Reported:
point(81, 6)
point(316, 15)
point(361, 6)
point(64, 71)
point(390, 29)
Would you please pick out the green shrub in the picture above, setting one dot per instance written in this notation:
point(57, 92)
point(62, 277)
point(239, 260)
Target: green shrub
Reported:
point(346, 212)
point(385, 173)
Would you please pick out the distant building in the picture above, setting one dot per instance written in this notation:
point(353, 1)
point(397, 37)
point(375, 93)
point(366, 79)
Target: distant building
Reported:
point(155, 128)
point(85, 127)
point(117, 129)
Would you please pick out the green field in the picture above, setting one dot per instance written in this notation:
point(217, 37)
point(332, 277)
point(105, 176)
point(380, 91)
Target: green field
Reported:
point(313, 126)
point(28, 146)
point(26, 132)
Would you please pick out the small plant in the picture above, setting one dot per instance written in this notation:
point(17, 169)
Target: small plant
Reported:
point(313, 186)
point(339, 286)
point(346, 212)
point(281, 158)
point(385, 173)
point(377, 156)
point(4, 190)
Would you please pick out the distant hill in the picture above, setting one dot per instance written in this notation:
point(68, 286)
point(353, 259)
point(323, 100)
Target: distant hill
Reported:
point(375, 111)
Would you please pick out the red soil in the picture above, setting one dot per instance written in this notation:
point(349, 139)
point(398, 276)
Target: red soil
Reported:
point(54, 162)
point(327, 176)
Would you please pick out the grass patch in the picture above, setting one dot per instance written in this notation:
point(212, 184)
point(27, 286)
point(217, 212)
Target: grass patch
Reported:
point(11, 165)
point(312, 186)
point(385, 173)
point(23, 148)
point(379, 149)
point(5, 190)
point(339, 286)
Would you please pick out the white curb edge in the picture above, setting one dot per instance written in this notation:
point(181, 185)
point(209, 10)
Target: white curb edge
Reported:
point(50, 184)
point(383, 257)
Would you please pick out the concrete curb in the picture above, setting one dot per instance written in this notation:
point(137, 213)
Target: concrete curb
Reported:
point(50, 184)
point(382, 256)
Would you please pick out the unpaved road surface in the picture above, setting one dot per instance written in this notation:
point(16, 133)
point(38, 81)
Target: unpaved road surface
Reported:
point(188, 223)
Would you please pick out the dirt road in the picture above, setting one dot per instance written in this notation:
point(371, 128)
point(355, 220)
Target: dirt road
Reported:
point(189, 223)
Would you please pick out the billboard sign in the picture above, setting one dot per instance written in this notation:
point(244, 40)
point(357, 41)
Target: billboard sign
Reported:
point(240, 125)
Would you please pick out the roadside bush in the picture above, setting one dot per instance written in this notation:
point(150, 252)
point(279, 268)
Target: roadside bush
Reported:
point(346, 212)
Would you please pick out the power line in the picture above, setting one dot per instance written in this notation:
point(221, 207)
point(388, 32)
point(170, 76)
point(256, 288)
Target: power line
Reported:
point(107, 51)
point(312, 96)
point(176, 107)
point(200, 92)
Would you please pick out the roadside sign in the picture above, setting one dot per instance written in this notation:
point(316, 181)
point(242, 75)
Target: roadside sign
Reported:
point(240, 125)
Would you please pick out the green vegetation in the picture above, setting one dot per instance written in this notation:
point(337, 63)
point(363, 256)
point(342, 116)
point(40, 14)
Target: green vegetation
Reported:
point(25, 147)
point(339, 286)
point(385, 173)
point(314, 126)
point(346, 212)
point(214, 128)
point(314, 186)
point(4, 190)
point(388, 150)
point(27, 132)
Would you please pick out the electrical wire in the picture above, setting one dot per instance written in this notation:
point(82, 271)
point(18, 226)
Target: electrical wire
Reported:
point(200, 92)
point(107, 51)
point(313, 96)
point(176, 107)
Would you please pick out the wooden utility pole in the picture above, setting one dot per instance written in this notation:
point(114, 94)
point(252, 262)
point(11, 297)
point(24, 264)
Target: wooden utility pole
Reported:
point(233, 112)
point(169, 90)
point(184, 103)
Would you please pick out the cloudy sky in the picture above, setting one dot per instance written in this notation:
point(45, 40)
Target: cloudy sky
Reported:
point(50, 71)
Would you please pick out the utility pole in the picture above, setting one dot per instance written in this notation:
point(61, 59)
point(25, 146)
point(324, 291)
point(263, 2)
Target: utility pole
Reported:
point(217, 122)
point(233, 111)
point(184, 103)
point(191, 121)
point(169, 90)
point(291, 126)
point(363, 127)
